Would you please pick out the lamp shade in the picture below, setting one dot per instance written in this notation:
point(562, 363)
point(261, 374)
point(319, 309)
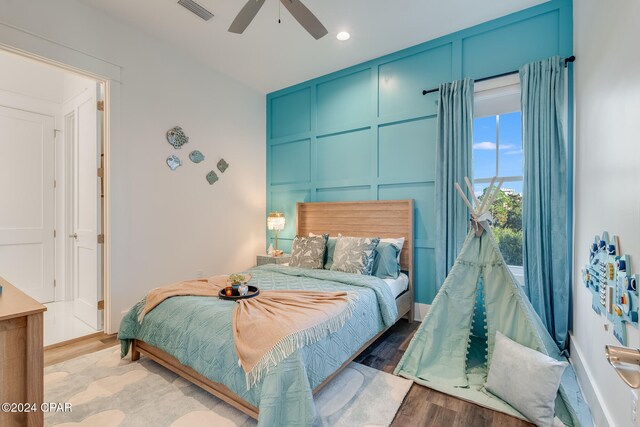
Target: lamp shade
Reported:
point(275, 221)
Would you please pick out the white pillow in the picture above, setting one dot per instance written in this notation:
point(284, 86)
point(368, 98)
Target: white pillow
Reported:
point(526, 379)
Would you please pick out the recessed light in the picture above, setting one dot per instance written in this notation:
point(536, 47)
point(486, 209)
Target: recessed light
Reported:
point(343, 35)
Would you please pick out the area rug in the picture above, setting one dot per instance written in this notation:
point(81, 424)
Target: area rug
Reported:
point(106, 391)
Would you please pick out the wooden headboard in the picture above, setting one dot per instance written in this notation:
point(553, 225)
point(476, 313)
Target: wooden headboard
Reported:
point(374, 218)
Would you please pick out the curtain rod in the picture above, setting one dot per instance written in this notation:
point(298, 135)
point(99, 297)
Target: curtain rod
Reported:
point(566, 61)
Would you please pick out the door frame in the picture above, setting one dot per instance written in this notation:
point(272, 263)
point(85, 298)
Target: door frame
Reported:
point(70, 117)
point(41, 49)
point(69, 139)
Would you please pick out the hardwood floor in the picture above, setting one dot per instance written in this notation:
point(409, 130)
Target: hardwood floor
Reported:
point(422, 407)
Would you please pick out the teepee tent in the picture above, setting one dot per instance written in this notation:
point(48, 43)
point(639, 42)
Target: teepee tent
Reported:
point(452, 349)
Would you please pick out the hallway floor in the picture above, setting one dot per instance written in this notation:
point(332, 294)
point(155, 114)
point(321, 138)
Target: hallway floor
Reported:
point(61, 325)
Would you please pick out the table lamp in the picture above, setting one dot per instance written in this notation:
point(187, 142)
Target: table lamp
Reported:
point(275, 221)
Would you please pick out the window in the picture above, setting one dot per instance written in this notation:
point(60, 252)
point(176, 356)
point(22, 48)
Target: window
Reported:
point(497, 151)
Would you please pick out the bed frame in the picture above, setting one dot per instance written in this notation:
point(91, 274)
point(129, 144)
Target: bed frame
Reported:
point(377, 218)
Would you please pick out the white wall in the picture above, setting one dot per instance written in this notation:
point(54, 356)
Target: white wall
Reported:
point(607, 173)
point(31, 79)
point(74, 86)
point(166, 225)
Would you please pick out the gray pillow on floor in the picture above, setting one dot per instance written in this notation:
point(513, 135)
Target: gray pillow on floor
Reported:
point(526, 379)
point(354, 254)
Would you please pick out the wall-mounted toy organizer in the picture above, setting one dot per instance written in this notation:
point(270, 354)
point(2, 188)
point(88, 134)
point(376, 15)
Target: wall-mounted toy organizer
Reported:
point(613, 287)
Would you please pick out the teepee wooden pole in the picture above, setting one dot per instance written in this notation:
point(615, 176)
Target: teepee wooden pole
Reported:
point(486, 195)
point(495, 193)
point(464, 199)
point(476, 203)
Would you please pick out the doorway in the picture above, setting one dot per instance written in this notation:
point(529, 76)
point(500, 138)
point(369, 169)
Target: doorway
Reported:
point(51, 134)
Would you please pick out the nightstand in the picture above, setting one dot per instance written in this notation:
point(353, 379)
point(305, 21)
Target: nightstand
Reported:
point(268, 259)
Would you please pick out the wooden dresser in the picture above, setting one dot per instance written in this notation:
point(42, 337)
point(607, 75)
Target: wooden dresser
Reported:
point(21, 355)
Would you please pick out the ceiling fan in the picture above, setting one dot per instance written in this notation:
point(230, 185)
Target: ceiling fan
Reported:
point(295, 7)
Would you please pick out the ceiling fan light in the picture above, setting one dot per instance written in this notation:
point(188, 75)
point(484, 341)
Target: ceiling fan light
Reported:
point(343, 36)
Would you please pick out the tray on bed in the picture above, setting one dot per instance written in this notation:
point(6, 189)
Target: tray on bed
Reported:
point(253, 292)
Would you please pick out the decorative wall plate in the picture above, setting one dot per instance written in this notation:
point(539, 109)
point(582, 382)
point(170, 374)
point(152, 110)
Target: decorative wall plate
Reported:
point(196, 156)
point(212, 177)
point(177, 137)
point(174, 162)
point(222, 165)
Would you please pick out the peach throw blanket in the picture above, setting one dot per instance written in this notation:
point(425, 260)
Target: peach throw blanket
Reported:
point(270, 327)
point(198, 287)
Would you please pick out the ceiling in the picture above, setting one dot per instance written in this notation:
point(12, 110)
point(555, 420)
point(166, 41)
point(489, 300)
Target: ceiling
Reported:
point(271, 56)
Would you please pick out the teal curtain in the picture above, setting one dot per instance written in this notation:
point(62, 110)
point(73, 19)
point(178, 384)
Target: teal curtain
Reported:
point(545, 193)
point(454, 150)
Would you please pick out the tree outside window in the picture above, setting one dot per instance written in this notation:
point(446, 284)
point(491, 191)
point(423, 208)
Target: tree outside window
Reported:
point(497, 151)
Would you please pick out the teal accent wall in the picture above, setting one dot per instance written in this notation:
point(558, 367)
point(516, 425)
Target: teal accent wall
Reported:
point(368, 133)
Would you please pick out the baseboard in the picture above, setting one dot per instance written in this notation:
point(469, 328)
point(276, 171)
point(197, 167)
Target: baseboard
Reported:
point(420, 311)
point(593, 395)
point(76, 340)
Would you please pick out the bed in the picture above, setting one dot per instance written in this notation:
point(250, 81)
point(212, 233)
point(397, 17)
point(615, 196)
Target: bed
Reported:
point(192, 337)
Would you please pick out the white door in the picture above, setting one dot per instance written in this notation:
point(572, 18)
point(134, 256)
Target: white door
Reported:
point(27, 202)
point(85, 216)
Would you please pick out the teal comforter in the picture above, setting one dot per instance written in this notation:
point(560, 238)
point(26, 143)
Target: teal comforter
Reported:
point(197, 331)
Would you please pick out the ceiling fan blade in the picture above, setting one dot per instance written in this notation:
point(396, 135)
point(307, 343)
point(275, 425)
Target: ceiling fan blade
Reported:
point(245, 16)
point(305, 18)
